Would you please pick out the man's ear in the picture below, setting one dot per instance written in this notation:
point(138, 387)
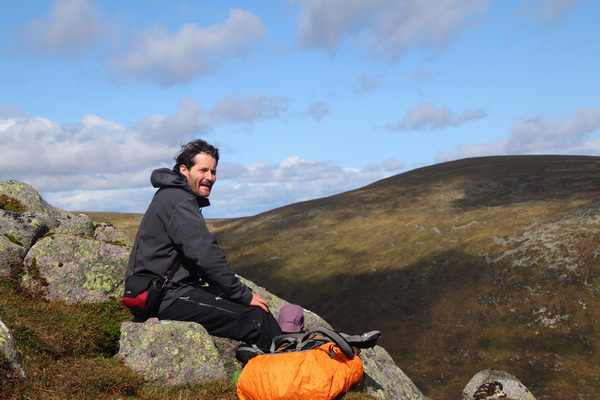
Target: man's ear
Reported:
point(183, 169)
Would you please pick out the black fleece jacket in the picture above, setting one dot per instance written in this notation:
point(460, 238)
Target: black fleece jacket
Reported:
point(173, 228)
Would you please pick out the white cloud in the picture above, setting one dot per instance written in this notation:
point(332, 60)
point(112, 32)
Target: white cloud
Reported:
point(190, 121)
point(236, 108)
point(265, 186)
point(539, 135)
point(168, 59)
point(427, 116)
point(100, 165)
point(392, 165)
point(386, 28)
point(71, 27)
point(91, 154)
point(96, 153)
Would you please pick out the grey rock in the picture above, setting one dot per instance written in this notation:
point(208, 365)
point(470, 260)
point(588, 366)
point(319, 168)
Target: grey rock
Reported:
point(170, 353)
point(495, 384)
point(23, 228)
point(106, 232)
point(75, 269)
point(38, 217)
point(11, 256)
point(9, 352)
point(77, 224)
point(29, 198)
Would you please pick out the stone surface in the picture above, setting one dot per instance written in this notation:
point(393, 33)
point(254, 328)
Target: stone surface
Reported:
point(170, 353)
point(106, 232)
point(75, 269)
point(495, 384)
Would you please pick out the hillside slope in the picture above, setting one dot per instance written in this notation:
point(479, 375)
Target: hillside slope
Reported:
point(478, 263)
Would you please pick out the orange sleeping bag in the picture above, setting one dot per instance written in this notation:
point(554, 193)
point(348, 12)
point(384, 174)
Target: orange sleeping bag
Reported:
point(317, 374)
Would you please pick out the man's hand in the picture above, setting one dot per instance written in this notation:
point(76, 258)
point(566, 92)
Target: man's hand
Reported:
point(258, 301)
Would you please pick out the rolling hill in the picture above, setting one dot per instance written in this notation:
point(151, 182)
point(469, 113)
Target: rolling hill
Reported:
point(478, 263)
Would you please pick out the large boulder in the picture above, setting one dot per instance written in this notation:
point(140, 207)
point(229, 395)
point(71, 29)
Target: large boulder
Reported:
point(75, 269)
point(170, 353)
point(32, 216)
point(494, 384)
point(21, 197)
point(60, 255)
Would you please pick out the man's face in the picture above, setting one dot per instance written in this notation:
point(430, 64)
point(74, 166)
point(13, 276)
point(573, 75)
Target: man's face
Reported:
point(202, 176)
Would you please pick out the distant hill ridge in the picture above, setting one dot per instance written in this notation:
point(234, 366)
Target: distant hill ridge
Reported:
point(479, 263)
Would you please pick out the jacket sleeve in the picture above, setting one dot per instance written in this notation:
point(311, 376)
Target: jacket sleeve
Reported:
point(202, 254)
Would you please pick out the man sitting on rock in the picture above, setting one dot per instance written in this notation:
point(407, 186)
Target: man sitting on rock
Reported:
point(204, 289)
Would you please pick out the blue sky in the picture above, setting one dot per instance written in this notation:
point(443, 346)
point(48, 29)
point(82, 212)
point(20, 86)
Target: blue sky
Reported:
point(304, 98)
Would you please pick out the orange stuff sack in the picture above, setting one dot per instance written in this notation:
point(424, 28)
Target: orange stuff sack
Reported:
point(317, 374)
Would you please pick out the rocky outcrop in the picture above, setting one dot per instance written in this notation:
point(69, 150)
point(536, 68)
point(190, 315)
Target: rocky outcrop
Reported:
point(494, 384)
point(58, 255)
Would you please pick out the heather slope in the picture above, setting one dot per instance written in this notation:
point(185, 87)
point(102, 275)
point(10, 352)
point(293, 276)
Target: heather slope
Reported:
point(478, 263)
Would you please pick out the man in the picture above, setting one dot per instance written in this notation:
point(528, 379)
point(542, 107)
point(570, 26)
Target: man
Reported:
point(204, 289)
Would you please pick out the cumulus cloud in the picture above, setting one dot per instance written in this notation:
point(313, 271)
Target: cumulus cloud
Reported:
point(190, 121)
point(540, 135)
point(93, 154)
point(165, 58)
point(98, 154)
point(426, 116)
point(168, 59)
point(71, 27)
point(236, 108)
point(265, 186)
point(100, 165)
point(386, 28)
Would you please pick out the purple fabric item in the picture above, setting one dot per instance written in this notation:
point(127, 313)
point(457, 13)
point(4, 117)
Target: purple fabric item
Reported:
point(291, 318)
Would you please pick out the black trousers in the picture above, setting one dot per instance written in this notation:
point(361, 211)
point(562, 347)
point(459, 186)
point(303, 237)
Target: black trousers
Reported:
point(224, 318)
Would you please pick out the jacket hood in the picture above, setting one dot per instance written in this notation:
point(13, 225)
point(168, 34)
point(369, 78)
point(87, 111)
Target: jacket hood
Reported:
point(167, 178)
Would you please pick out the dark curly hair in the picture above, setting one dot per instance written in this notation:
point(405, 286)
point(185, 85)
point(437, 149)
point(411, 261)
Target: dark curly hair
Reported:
point(190, 150)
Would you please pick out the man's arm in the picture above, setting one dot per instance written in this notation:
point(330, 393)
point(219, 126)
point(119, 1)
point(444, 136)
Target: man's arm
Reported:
point(258, 301)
